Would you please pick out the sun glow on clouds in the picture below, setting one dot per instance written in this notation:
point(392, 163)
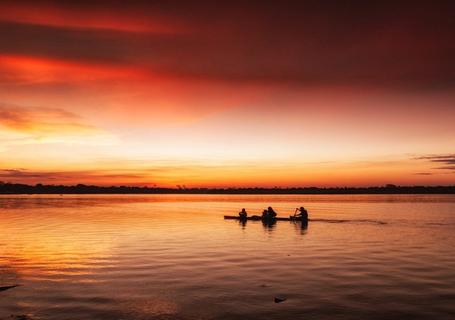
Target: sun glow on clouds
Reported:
point(28, 125)
point(36, 70)
point(103, 93)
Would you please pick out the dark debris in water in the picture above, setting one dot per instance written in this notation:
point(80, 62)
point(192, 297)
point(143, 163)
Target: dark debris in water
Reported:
point(4, 288)
point(280, 299)
point(20, 317)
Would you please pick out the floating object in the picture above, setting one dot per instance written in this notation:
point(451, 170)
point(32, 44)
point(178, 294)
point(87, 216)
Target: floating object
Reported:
point(280, 299)
point(21, 317)
point(259, 218)
point(8, 287)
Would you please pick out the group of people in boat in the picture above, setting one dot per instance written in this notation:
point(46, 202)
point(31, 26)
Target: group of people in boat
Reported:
point(270, 214)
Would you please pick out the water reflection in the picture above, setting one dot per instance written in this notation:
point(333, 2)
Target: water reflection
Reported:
point(301, 227)
point(269, 226)
point(151, 257)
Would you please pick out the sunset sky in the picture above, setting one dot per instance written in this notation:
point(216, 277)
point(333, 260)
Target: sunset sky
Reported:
point(227, 93)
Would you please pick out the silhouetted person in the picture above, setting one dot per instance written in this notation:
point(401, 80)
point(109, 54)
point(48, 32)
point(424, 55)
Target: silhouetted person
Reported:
point(271, 213)
point(303, 214)
point(243, 214)
point(265, 214)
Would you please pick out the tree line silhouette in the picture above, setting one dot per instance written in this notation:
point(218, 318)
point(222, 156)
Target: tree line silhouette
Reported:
point(17, 188)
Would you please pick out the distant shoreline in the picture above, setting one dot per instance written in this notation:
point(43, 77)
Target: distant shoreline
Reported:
point(17, 189)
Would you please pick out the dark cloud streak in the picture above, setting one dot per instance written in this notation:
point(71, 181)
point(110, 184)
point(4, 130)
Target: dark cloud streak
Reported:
point(446, 168)
point(308, 42)
point(23, 175)
point(447, 161)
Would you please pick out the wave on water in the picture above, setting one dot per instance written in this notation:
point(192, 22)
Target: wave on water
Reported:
point(348, 221)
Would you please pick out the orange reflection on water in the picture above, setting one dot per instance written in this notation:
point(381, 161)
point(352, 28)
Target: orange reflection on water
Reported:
point(139, 256)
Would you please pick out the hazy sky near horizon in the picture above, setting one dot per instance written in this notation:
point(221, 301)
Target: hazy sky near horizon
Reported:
point(227, 93)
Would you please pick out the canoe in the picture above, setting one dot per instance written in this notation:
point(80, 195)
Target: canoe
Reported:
point(259, 218)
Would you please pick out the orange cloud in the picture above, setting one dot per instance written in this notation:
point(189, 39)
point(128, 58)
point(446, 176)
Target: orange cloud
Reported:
point(17, 69)
point(29, 126)
point(119, 87)
point(42, 120)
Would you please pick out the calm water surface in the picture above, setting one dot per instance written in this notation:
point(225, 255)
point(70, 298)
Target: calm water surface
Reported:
point(175, 257)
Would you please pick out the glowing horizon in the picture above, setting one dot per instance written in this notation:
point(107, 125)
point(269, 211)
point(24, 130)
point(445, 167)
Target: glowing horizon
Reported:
point(207, 95)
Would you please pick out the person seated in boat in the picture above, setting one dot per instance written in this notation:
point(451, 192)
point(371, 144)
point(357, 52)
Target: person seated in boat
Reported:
point(302, 213)
point(243, 214)
point(271, 213)
point(265, 214)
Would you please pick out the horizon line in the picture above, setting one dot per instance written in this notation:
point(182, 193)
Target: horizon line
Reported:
point(20, 188)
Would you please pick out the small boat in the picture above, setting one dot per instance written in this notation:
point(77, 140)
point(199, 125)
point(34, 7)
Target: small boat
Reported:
point(259, 218)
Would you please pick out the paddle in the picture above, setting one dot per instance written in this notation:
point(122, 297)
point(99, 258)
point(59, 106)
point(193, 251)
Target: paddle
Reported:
point(295, 212)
